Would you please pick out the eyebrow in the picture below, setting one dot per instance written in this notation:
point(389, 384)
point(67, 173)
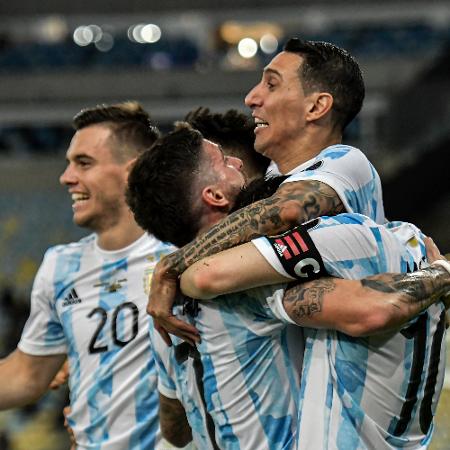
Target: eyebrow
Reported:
point(270, 71)
point(79, 157)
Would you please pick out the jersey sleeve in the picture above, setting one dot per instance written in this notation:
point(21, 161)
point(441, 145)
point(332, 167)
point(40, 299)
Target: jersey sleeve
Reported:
point(164, 365)
point(43, 332)
point(275, 303)
point(351, 175)
point(351, 246)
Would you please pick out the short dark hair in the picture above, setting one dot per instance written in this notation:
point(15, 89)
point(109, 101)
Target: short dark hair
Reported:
point(234, 132)
point(332, 69)
point(160, 186)
point(131, 127)
point(258, 189)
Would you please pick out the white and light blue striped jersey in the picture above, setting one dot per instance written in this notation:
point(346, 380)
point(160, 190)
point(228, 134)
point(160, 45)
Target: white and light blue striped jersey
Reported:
point(251, 365)
point(90, 304)
point(348, 171)
point(177, 380)
point(377, 392)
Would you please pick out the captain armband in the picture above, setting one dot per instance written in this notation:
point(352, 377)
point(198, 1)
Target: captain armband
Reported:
point(297, 253)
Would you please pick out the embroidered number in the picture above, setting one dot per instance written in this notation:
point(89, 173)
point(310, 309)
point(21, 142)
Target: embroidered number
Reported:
point(418, 332)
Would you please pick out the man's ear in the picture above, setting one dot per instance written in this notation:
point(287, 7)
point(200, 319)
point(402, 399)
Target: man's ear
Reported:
point(214, 196)
point(320, 103)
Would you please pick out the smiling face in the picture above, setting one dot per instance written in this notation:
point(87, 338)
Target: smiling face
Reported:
point(279, 106)
point(226, 170)
point(96, 179)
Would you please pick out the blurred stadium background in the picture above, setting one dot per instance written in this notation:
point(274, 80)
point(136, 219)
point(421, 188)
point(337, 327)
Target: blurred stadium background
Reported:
point(58, 56)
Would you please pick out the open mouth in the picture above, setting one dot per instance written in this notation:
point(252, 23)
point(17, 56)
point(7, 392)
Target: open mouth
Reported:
point(259, 123)
point(79, 197)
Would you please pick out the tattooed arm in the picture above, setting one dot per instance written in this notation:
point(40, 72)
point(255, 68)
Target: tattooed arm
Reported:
point(174, 425)
point(363, 307)
point(355, 307)
point(292, 203)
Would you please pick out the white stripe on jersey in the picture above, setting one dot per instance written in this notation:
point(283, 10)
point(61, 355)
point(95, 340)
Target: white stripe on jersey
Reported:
point(90, 304)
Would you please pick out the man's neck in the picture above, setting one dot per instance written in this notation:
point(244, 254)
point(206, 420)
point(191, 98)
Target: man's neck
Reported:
point(303, 151)
point(119, 236)
point(209, 220)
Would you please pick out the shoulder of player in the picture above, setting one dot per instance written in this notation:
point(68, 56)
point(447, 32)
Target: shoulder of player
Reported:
point(71, 247)
point(151, 248)
point(338, 151)
point(155, 244)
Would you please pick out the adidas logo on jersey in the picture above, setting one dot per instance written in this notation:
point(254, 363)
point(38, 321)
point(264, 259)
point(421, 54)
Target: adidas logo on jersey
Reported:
point(72, 298)
point(279, 248)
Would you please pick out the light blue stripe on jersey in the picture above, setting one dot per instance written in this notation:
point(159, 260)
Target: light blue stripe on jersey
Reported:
point(65, 270)
point(353, 377)
point(102, 388)
point(145, 407)
point(383, 263)
point(277, 429)
point(257, 363)
point(226, 439)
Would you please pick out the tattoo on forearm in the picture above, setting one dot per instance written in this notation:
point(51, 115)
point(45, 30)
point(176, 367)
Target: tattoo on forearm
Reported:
point(421, 288)
point(301, 301)
point(311, 199)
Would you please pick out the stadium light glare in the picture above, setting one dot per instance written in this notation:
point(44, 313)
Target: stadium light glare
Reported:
point(247, 48)
point(137, 33)
point(97, 32)
point(83, 35)
point(268, 43)
point(106, 43)
point(151, 33)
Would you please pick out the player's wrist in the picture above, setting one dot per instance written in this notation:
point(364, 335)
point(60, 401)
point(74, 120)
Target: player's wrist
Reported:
point(444, 278)
point(442, 263)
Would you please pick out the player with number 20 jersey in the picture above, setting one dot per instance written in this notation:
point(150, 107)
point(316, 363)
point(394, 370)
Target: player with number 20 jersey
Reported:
point(90, 303)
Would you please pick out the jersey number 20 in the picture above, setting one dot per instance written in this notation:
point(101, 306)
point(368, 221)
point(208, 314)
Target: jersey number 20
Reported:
point(94, 346)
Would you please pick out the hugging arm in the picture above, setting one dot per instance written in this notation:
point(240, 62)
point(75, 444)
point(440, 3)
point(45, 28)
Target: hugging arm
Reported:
point(364, 307)
point(355, 307)
point(292, 203)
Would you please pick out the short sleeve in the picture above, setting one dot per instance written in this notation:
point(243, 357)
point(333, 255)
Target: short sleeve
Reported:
point(43, 333)
point(351, 175)
point(164, 365)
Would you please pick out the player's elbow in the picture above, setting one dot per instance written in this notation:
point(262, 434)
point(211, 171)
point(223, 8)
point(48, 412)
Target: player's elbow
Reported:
point(201, 283)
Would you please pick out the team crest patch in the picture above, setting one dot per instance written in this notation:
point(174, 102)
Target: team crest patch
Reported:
point(114, 286)
point(147, 280)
